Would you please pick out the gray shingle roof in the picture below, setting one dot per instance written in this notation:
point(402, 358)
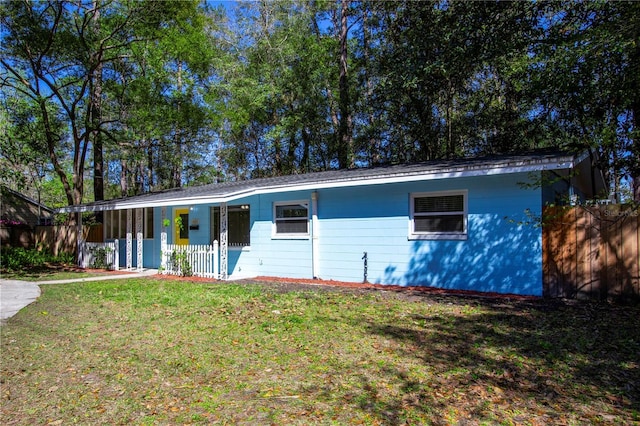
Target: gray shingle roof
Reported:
point(227, 191)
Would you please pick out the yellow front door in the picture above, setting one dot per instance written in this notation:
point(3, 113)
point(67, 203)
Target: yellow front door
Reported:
point(181, 226)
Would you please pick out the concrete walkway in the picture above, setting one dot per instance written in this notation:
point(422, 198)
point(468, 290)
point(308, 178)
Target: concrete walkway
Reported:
point(15, 294)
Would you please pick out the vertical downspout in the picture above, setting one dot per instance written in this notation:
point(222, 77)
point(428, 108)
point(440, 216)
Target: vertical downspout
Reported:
point(315, 237)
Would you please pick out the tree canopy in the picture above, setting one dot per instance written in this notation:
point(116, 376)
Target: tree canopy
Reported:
point(137, 96)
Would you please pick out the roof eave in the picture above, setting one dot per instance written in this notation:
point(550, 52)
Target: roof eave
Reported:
point(523, 166)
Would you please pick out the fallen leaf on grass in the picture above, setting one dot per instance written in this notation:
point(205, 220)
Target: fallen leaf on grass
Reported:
point(269, 396)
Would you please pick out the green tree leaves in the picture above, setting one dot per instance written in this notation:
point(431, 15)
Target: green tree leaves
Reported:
point(177, 92)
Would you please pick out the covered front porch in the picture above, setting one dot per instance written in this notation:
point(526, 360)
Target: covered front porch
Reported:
point(138, 250)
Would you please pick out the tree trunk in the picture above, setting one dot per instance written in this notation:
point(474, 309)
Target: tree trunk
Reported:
point(304, 162)
point(176, 161)
point(96, 117)
point(452, 147)
point(374, 142)
point(98, 160)
point(150, 167)
point(345, 139)
point(51, 150)
point(635, 106)
point(124, 186)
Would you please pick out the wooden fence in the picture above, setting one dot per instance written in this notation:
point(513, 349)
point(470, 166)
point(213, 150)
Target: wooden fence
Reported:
point(591, 252)
point(16, 236)
point(62, 239)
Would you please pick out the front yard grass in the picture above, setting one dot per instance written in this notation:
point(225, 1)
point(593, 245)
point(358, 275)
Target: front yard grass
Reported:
point(48, 273)
point(153, 351)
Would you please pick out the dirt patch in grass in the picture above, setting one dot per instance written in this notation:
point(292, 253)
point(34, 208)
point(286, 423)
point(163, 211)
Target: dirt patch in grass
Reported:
point(50, 272)
point(295, 284)
point(177, 351)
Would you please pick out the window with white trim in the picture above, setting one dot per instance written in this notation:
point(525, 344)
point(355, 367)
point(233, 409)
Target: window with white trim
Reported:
point(438, 215)
point(291, 219)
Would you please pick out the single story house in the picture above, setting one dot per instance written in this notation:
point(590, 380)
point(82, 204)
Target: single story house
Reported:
point(19, 215)
point(464, 224)
point(17, 208)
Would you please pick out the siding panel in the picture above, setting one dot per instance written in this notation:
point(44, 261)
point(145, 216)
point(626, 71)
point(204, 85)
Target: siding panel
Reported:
point(499, 254)
point(502, 252)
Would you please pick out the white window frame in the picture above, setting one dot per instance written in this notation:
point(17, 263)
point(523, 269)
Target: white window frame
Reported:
point(290, 235)
point(414, 235)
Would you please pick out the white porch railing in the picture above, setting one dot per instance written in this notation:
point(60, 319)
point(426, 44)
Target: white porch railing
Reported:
point(100, 255)
point(191, 260)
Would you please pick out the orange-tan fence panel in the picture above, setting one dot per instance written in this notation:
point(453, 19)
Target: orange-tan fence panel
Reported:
point(591, 252)
point(16, 236)
point(56, 239)
point(93, 233)
point(62, 238)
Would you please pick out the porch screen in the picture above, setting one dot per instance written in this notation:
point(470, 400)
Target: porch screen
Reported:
point(115, 224)
point(238, 225)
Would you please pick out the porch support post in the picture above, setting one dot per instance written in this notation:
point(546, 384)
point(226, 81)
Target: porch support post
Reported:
point(224, 263)
point(315, 237)
point(79, 240)
point(129, 239)
point(163, 240)
point(116, 255)
point(139, 239)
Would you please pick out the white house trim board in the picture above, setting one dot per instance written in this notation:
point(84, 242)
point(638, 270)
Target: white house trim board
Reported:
point(311, 186)
point(315, 235)
point(335, 179)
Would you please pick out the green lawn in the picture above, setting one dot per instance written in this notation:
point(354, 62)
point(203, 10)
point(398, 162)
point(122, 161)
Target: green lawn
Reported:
point(147, 351)
point(36, 274)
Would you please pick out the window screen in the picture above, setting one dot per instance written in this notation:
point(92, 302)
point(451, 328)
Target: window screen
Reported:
point(238, 225)
point(439, 215)
point(292, 219)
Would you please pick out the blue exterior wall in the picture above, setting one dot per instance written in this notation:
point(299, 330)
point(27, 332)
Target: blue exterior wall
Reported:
point(284, 257)
point(265, 255)
point(498, 255)
point(150, 252)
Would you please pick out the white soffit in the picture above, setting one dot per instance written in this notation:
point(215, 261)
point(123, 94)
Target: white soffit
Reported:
point(181, 199)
